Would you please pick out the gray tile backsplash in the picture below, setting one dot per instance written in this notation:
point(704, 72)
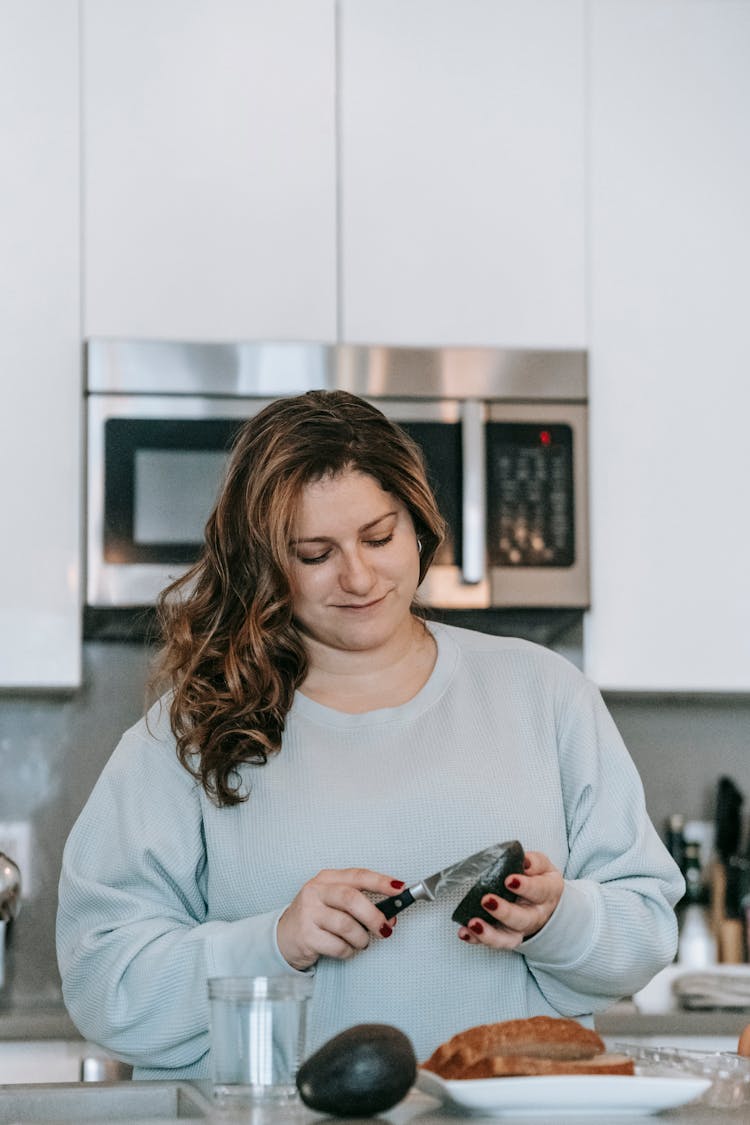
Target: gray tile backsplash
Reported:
point(53, 748)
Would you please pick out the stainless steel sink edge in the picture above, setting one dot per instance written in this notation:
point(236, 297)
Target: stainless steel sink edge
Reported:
point(138, 1102)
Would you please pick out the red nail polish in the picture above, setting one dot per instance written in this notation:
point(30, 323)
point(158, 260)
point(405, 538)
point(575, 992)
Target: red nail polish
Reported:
point(477, 927)
point(464, 937)
point(397, 883)
point(385, 930)
point(513, 883)
point(490, 904)
point(526, 863)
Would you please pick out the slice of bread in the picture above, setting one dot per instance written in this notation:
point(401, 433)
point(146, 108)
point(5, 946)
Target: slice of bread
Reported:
point(538, 1045)
point(516, 1065)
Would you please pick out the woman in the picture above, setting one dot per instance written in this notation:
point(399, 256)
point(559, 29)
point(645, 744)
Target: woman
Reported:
point(320, 745)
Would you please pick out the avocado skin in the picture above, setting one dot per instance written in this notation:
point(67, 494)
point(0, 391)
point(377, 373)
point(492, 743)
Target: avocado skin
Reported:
point(491, 882)
point(359, 1072)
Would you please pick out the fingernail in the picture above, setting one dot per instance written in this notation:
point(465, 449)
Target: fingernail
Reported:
point(490, 904)
point(513, 883)
point(526, 863)
point(385, 930)
point(477, 927)
point(398, 883)
point(464, 937)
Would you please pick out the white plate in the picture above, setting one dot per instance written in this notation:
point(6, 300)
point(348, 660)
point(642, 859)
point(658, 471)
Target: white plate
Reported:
point(555, 1095)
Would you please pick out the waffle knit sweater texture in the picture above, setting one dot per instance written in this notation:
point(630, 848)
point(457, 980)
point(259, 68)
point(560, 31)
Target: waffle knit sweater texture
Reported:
point(160, 890)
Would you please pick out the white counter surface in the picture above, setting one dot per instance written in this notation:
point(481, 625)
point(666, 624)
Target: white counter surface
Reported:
point(416, 1109)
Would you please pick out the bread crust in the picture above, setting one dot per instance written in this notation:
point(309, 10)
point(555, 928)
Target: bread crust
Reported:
point(537, 1045)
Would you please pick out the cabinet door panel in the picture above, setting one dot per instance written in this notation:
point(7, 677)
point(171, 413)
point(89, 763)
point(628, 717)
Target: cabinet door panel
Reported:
point(462, 172)
point(40, 354)
point(670, 396)
point(209, 169)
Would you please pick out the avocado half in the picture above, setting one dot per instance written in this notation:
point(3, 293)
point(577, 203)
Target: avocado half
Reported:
point(360, 1072)
point(491, 882)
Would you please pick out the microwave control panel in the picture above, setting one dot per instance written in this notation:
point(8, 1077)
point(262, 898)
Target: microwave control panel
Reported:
point(530, 495)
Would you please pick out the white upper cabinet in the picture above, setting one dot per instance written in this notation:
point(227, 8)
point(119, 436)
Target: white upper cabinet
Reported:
point(670, 384)
point(209, 169)
point(462, 172)
point(40, 353)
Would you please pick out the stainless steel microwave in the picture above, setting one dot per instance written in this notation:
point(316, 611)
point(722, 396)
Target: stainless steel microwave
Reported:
point(504, 435)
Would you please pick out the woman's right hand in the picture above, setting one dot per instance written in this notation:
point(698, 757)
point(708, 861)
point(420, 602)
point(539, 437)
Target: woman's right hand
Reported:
point(331, 917)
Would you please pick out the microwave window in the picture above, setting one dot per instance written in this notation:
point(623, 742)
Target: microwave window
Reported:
point(161, 477)
point(173, 494)
point(440, 443)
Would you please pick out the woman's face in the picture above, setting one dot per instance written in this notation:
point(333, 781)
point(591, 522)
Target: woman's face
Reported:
point(355, 563)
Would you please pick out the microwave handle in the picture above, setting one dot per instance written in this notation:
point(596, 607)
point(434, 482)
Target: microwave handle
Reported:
point(474, 490)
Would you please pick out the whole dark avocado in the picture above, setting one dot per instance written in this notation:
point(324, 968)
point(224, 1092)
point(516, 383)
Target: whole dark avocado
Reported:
point(360, 1072)
point(491, 882)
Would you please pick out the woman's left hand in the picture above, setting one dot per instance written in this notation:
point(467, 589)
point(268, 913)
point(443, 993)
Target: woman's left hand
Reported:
point(538, 889)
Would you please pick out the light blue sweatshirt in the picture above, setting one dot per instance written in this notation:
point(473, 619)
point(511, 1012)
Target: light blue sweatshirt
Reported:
point(161, 890)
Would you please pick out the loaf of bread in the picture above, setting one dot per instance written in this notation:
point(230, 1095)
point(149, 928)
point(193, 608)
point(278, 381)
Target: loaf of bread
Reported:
point(538, 1045)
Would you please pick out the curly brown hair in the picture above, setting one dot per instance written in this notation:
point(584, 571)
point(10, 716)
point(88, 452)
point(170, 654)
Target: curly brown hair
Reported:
point(231, 651)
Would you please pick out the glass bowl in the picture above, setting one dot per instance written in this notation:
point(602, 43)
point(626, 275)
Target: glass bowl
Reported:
point(729, 1072)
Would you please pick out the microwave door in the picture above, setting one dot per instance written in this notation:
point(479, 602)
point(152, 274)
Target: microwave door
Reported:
point(154, 468)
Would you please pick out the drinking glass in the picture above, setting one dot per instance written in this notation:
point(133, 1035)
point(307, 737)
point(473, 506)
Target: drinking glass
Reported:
point(258, 1027)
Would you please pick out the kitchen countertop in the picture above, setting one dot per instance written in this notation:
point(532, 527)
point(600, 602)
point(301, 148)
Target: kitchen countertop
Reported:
point(416, 1109)
point(651, 1014)
point(622, 1020)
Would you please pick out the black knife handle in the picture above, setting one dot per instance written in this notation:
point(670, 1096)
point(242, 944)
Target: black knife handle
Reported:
point(396, 903)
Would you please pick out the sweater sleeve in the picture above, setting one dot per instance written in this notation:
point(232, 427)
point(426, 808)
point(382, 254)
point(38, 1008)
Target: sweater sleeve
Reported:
point(135, 946)
point(614, 927)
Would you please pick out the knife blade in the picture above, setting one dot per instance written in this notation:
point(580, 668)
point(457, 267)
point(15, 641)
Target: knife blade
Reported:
point(450, 878)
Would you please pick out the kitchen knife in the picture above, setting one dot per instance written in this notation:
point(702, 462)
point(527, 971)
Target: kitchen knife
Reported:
point(443, 881)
